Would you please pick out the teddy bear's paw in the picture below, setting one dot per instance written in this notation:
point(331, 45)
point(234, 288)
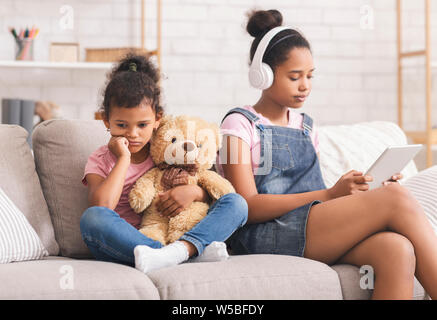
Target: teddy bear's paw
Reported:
point(222, 189)
point(138, 202)
point(174, 236)
point(186, 220)
point(214, 184)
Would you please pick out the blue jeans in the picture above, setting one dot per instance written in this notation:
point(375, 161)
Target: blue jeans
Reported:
point(111, 238)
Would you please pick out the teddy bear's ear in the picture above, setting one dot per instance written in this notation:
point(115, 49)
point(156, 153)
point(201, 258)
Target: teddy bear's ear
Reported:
point(164, 120)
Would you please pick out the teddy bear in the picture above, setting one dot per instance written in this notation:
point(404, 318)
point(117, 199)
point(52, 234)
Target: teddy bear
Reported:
point(183, 150)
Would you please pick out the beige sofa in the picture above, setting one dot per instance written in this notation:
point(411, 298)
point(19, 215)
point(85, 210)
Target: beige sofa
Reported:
point(47, 188)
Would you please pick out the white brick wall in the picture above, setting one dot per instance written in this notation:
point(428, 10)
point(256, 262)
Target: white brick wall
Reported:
point(205, 54)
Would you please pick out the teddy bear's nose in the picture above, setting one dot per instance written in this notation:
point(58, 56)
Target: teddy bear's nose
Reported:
point(188, 146)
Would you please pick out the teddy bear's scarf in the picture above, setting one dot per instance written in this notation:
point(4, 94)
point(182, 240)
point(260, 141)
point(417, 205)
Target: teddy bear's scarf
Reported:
point(176, 175)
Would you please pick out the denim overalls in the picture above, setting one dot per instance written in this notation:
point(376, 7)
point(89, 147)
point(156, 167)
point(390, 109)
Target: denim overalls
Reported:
point(288, 164)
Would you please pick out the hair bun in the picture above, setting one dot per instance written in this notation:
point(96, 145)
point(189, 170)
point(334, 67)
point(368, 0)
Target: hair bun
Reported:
point(261, 21)
point(137, 63)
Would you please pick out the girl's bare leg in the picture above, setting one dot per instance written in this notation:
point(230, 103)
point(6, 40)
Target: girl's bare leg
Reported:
point(392, 258)
point(335, 227)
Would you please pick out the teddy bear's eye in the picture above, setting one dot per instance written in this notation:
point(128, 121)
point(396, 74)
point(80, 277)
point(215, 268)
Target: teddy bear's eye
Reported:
point(173, 140)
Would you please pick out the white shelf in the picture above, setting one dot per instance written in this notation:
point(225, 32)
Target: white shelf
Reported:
point(55, 65)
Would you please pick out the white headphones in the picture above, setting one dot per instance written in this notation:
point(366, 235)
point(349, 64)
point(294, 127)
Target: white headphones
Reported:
point(260, 73)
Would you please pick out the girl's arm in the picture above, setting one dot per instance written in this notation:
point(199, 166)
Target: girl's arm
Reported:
point(265, 207)
point(262, 207)
point(106, 192)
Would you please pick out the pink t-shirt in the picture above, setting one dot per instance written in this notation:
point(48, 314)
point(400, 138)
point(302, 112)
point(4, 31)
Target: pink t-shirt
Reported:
point(239, 126)
point(101, 162)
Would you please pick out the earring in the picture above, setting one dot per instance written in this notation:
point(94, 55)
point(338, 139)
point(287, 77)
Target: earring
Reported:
point(107, 129)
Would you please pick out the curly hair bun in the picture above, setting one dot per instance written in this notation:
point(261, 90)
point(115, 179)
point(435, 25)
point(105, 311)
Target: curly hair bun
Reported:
point(133, 79)
point(142, 64)
point(261, 21)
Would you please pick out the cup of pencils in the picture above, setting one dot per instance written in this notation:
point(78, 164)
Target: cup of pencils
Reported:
point(24, 43)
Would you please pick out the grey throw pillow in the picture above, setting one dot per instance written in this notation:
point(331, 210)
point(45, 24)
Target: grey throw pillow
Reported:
point(424, 188)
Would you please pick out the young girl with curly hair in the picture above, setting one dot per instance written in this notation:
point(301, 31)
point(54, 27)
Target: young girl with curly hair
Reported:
point(131, 112)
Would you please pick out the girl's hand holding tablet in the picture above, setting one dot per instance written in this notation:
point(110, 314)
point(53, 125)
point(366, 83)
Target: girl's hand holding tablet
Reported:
point(354, 181)
point(350, 183)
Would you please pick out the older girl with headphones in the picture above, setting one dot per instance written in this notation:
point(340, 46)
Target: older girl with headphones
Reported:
point(270, 156)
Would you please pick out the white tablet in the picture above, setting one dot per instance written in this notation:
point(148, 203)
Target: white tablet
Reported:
point(392, 161)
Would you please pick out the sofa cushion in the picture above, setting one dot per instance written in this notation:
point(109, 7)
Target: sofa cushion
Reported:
point(356, 147)
point(62, 148)
point(350, 277)
point(18, 240)
point(64, 278)
point(248, 277)
point(20, 182)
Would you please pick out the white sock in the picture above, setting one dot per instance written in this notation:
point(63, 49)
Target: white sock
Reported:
point(148, 259)
point(215, 251)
